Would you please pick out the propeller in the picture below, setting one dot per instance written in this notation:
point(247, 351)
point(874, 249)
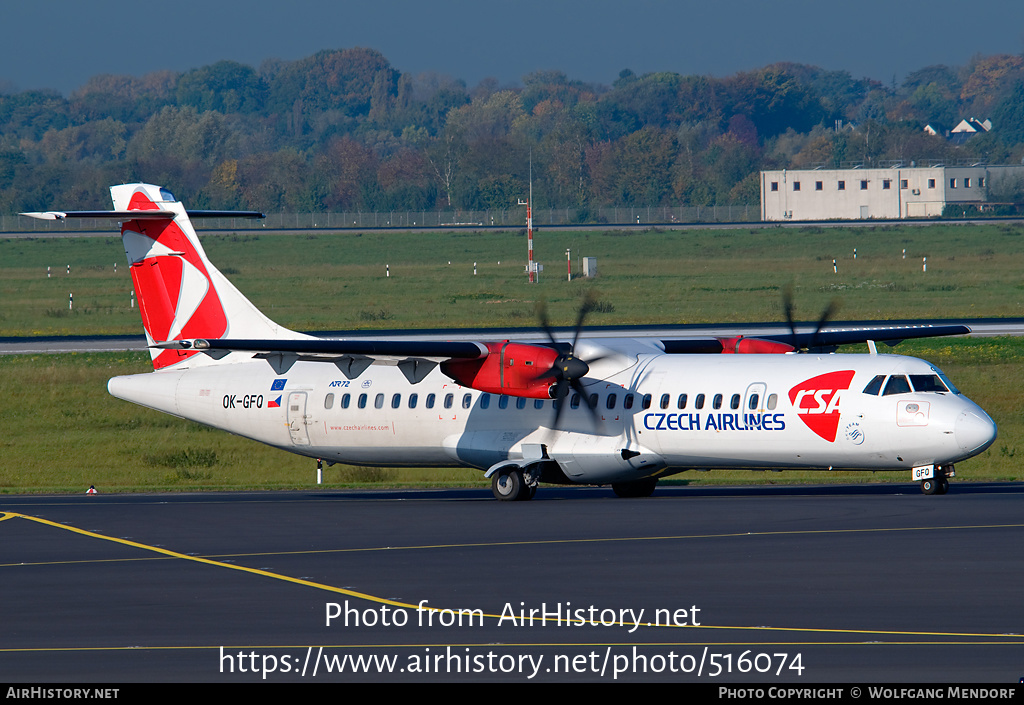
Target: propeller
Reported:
point(568, 370)
point(826, 315)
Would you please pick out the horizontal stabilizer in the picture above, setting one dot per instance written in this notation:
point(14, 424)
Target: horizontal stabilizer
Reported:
point(141, 214)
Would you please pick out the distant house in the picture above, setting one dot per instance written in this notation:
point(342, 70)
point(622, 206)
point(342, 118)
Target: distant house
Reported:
point(967, 129)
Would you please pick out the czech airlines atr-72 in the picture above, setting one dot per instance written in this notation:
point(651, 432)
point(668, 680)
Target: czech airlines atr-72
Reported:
point(618, 411)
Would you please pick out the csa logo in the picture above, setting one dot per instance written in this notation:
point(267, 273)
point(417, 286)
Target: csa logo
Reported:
point(817, 400)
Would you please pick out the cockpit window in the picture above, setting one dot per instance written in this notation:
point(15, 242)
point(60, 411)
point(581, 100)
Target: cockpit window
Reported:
point(927, 383)
point(897, 384)
point(875, 385)
point(945, 380)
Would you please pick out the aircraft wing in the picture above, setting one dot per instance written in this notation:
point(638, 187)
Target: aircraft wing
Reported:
point(416, 357)
point(825, 340)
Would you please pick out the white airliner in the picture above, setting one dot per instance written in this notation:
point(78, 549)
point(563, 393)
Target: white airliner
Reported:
point(613, 410)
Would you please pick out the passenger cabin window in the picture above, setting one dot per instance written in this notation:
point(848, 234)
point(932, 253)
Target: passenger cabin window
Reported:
point(574, 403)
point(734, 403)
point(467, 401)
point(520, 402)
point(448, 400)
point(665, 401)
point(875, 385)
point(627, 401)
point(430, 401)
point(752, 404)
point(345, 400)
point(503, 402)
point(773, 401)
point(328, 401)
point(396, 401)
point(698, 403)
point(413, 398)
point(362, 401)
point(646, 401)
point(485, 401)
point(716, 403)
point(681, 403)
point(611, 401)
point(897, 384)
point(593, 401)
point(378, 402)
point(538, 403)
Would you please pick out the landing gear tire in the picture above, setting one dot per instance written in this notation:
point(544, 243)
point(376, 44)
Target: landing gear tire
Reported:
point(931, 486)
point(943, 486)
point(510, 485)
point(638, 488)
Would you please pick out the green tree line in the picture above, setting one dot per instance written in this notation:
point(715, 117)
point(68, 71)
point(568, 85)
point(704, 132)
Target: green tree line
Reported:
point(343, 130)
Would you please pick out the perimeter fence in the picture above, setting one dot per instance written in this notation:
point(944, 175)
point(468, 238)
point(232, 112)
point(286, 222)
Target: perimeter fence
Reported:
point(357, 220)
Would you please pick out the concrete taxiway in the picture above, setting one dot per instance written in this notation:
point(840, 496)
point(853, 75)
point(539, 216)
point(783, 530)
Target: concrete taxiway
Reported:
point(866, 583)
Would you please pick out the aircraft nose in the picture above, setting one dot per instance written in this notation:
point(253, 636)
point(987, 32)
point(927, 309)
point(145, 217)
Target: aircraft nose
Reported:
point(974, 431)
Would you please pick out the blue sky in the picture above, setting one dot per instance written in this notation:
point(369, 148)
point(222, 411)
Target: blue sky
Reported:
point(60, 44)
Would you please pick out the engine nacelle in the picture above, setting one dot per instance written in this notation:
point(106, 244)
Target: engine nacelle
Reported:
point(516, 369)
point(753, 346)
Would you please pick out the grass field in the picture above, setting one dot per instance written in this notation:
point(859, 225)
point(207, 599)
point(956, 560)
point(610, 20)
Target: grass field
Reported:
point(62, 432)
point(333, 282)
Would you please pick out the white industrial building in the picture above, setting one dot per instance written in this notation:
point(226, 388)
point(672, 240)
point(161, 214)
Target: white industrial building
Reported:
point(859, 194)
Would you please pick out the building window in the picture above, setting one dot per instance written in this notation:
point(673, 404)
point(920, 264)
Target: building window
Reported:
point(904, 184)
point(952, 183)
point(775, 186)
point(981, 182)
point(931, 183)
point(863, 185)
point(842, 185)
point(886, 183)
point(967, 182)
point(796, 185)
point(817, 185)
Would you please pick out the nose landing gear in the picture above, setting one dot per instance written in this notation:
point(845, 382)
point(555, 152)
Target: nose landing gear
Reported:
point(939, 483)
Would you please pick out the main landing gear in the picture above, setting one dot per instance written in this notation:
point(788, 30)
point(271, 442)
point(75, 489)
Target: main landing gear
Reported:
point(513, 485)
